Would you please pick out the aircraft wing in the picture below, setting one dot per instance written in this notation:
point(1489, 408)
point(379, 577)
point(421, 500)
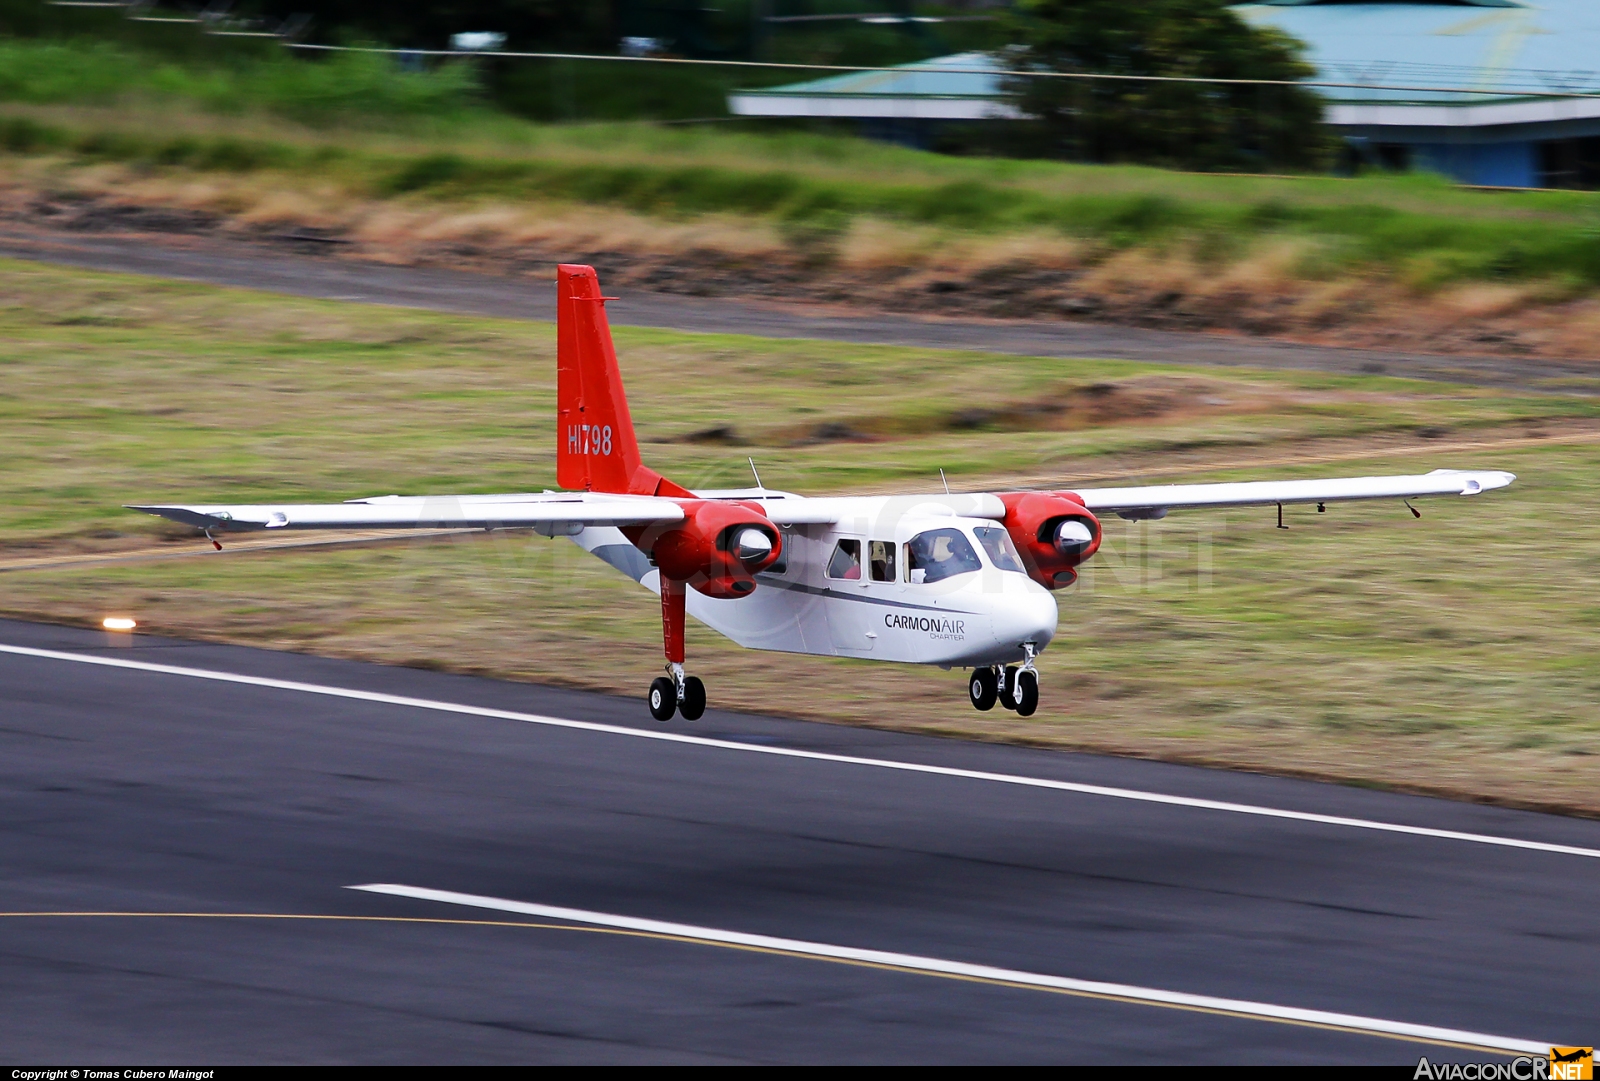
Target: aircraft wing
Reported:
point(1156, 500)
point(552, 513)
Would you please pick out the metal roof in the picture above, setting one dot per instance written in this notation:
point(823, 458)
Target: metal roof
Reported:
point(1458, 65)
point(1435, 3)
point(1499, 48)
point(958, 87)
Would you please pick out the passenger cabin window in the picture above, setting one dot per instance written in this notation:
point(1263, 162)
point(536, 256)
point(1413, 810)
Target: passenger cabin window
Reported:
point(880, 560)
point(997, 542)
point(939, 554)
point(846, 561)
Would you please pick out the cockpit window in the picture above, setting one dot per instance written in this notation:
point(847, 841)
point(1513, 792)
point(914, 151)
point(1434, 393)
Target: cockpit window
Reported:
point(846, 560)
point(939, 554)
point(997, 542)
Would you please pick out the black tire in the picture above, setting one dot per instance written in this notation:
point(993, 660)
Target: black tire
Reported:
point(663, 698)
point(1027, 694)
point(694, 699)
point(982, 688)
point(1008, 687)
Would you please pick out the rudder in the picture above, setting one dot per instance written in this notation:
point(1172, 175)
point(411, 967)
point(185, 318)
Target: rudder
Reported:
point(596, 449)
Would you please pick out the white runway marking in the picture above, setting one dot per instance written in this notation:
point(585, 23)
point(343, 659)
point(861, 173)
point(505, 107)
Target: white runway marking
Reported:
point(987, 973)
point(816, 756)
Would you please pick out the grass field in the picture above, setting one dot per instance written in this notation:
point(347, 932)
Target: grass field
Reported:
point(1428, 231)
point(418, 167)
point(1404, 262)
point(1456, 654)
point(355, 128)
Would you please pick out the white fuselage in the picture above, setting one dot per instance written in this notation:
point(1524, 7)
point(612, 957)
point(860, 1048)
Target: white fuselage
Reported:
point(818, 599)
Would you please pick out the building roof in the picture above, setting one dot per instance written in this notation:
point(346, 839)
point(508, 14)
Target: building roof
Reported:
point(965, 86)
point(1518, 62)
point(1496, 47)
point(1392, 3)
point(1452, 66)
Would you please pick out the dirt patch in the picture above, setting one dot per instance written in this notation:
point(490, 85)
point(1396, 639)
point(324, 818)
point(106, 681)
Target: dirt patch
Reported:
point(1260, 298)
point(1164, 399)
point(90, 215)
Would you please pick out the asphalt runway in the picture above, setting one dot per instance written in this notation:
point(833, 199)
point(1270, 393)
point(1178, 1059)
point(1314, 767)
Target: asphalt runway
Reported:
point(616, 880)
point(292, 269)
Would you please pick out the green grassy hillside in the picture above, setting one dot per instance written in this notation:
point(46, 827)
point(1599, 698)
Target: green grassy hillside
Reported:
point(361, 124)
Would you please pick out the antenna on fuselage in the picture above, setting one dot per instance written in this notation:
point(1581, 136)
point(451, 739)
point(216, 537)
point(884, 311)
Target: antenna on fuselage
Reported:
point(759, 486)
point(943, 481)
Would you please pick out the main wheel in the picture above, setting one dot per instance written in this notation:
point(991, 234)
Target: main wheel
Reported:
point(1008, 688)
point(663, 698)
point(1027, 694)
point(694, 699)
point(982, 688)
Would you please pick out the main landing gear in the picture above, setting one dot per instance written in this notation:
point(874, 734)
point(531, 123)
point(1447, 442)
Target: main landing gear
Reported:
point(1013, 687)
point(675, 692)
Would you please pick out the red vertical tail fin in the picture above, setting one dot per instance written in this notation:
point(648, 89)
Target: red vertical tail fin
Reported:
point(596, 449)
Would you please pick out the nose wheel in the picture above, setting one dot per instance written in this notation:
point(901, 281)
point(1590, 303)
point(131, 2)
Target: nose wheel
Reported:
point(677, 693)
point(1024, 691)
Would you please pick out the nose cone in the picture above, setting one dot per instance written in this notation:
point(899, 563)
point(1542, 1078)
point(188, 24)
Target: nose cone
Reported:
point(1024, 611)
point(1072, 537)
point(752, 546)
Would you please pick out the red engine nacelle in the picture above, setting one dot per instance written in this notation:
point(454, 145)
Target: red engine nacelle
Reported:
point(718, 548)
point(1054, 531)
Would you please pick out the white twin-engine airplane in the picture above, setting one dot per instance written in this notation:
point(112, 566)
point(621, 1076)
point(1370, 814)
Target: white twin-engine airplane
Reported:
point(950, 580)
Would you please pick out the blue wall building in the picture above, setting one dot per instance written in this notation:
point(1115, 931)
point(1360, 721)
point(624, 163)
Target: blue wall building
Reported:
point(1490, 87)
point(1488, 92)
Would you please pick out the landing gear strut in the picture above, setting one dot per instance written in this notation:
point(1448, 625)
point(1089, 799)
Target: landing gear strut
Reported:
point(675, 692)
point(1013, 687)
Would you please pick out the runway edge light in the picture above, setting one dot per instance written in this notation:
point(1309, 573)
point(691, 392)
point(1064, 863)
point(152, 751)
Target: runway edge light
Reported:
point(118, 623)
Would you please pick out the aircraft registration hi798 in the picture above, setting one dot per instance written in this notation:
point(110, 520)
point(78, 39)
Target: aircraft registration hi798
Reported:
point(954, 580)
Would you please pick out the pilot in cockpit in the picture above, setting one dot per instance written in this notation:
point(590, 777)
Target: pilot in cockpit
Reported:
point(938, 554)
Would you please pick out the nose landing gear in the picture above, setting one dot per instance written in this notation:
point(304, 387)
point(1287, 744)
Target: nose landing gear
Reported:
point(1025, 692)
point(1014, 688)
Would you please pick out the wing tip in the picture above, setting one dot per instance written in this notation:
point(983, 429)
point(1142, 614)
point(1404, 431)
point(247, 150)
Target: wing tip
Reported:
point(177, 513)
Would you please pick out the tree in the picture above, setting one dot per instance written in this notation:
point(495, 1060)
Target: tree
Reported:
point(529, 24)
point(1216, 126)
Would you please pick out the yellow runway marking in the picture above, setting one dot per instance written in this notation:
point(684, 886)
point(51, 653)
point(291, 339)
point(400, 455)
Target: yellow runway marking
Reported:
point(690, 940)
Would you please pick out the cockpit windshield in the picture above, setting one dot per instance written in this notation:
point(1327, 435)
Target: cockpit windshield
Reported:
point(939, 554)
point(997, 542)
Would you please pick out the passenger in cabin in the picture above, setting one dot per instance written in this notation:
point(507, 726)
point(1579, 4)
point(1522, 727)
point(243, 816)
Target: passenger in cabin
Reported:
point(880, 558)
point(846, 561)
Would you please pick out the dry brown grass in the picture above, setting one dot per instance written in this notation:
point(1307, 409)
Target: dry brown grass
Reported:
point(1455, 654)
point(1268, 284)
point(1482, 300)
